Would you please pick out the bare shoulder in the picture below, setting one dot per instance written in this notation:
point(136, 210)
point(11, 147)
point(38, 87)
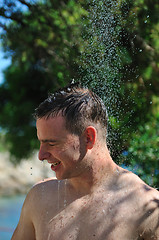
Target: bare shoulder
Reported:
point(46, 184)
point(132, 181)
point(142, 192)
point(42, 192)
point(34, 205)
point(149, 219)
point(37, 193)
point(144, 202)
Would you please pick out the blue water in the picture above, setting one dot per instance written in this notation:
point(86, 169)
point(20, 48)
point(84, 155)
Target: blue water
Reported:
point(10, 209)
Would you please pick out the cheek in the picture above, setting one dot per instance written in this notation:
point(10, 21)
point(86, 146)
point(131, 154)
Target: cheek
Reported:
point(72, 146)
point(70, 153)
point(70, 150)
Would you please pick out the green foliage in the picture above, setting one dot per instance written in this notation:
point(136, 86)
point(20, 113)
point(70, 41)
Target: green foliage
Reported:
point(141, 87)
point(111, 46)
point(144, 148)
point(43, 41)
point(142, 154)
point(120, 63)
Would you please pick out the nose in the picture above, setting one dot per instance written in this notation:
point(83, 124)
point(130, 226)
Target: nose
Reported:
point(43, 154)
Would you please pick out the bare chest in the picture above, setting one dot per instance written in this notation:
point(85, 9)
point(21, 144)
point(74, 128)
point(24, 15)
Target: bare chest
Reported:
point(88, 219)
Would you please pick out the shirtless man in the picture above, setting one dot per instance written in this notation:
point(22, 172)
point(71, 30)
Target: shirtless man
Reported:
point(92, 198)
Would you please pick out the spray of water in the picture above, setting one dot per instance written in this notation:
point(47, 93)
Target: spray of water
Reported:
point(101, 62)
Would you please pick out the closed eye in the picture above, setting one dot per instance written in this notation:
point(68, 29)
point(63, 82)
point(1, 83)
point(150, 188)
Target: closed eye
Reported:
point(51, 144)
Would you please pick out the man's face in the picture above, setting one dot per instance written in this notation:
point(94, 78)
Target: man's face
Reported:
point(63, 150)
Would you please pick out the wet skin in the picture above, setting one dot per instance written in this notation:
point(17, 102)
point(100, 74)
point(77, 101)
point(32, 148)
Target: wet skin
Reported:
point(60, 147)
point(98, 200)
point(111, 212)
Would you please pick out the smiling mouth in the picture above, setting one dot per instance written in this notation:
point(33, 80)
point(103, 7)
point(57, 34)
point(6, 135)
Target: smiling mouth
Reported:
point(56, 164)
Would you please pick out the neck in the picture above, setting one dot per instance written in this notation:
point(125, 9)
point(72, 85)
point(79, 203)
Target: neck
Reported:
point(101, 171)
point(82, 185)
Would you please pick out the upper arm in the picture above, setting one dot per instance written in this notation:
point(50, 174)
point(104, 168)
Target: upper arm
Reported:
point(153, 229)
point(25, 228)
point(152, 222)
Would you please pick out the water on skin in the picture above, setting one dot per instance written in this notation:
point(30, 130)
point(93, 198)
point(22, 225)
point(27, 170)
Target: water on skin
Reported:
point(65, 194)
point(58, 192)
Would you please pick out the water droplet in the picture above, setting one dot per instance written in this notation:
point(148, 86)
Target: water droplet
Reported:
point(65, 202)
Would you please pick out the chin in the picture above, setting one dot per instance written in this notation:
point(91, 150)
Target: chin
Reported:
point(64, 175)
point(61, 177)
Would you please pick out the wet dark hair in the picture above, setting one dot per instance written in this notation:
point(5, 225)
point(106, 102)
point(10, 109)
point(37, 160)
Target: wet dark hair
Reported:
point(78, 105)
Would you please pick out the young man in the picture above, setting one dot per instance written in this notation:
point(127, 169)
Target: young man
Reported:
point(92, 198)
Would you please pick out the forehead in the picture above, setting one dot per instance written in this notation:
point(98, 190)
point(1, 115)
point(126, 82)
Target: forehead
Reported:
point(50, 127)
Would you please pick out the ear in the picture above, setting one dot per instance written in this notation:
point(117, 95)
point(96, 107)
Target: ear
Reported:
point(90, 134)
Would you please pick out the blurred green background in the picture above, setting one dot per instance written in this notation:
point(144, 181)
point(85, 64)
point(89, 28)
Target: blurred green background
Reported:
point(109, 46)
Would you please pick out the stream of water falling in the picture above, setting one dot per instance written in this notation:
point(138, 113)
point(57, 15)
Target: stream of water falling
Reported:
point(102, 67)
point(65, 193)
point(101, 58)
point(58, 192)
